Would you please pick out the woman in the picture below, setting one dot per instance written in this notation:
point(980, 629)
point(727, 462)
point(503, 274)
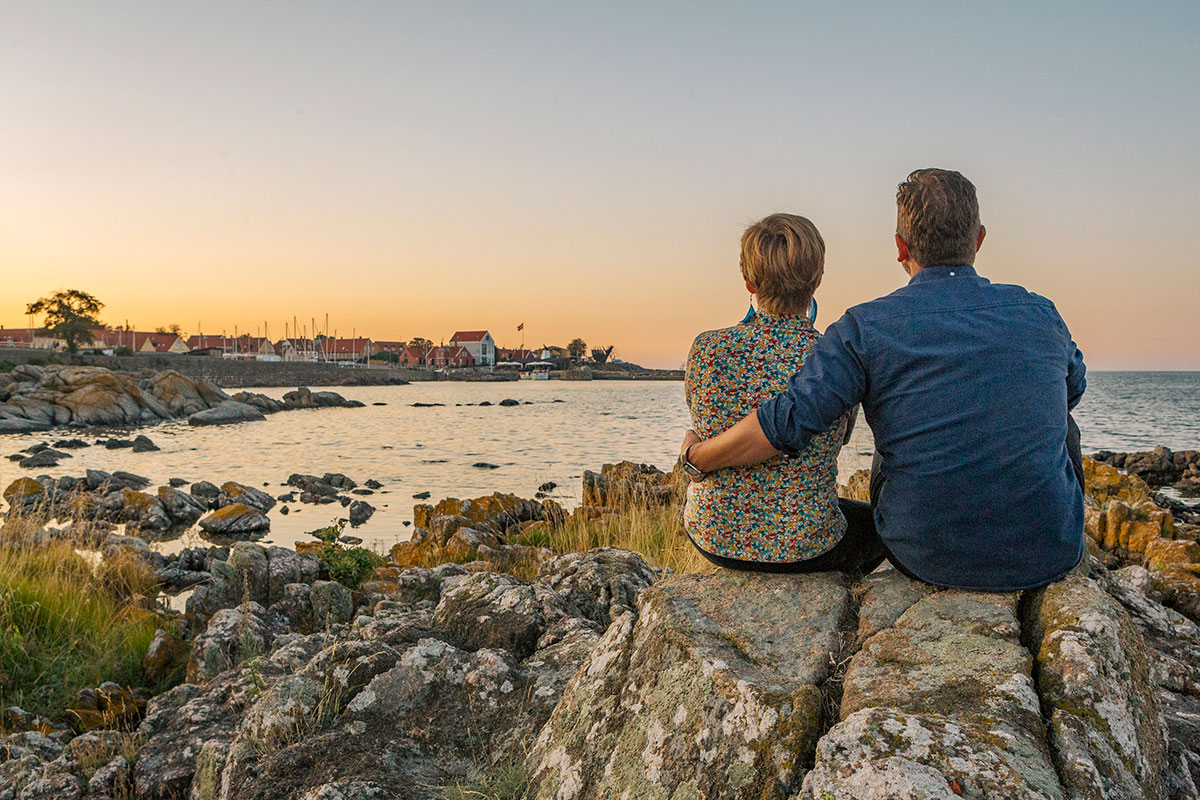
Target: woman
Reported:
point(783, 515)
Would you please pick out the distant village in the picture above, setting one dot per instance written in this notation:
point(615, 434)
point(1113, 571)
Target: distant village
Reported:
point(465, 348)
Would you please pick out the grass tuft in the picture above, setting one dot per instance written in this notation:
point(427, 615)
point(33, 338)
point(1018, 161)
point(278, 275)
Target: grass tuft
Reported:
point(66, 624)
point(505, 782)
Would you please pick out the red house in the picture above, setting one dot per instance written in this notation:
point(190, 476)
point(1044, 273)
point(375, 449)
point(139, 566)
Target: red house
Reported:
point(450, 356)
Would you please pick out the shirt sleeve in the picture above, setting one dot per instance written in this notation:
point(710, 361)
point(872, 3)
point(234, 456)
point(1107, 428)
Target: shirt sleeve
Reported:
point(830, 383)
point(1076, 374)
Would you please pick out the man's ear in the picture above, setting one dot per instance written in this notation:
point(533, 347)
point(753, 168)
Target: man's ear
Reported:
point(979, 238)
point(902, 249)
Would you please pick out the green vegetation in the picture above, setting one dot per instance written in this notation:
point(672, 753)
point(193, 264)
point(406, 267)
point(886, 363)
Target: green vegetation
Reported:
point(7, 366)
point(70, 316)
point(66, 625)
point(387, 358)
point(505, 782)
point(123, 350)
point(349, 566)
point(577, 348)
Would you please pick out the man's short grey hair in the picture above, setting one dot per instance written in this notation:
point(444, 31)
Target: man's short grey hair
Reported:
point(937, 216)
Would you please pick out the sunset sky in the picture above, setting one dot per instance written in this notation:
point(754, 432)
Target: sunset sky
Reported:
point(587, 169)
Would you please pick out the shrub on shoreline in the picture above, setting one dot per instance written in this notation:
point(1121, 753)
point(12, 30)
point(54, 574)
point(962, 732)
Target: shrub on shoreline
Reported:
point(349, 566)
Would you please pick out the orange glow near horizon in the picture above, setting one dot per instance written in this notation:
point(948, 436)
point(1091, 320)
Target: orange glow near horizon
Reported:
point(585, 171)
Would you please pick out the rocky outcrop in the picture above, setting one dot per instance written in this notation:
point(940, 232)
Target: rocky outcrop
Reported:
point(626, 482)
point(1159, 467)
point(603, 678)
point(41, 398)
point(607, 683)
point(53, 396)
point(1126, 527)
point(373, 709)
point(487, 529)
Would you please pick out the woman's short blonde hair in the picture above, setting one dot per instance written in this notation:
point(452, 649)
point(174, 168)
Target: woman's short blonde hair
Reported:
point(783, 257)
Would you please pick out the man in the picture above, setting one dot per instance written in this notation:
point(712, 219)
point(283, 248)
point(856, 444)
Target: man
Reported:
point(967, 386)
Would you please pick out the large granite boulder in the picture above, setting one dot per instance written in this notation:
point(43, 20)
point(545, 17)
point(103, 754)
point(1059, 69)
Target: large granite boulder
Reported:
point(942, 698)
point(710, 690)
point(178, 394)
point(1093, 675)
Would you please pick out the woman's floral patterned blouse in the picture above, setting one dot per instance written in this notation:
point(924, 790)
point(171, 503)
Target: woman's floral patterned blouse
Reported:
point(784, 509)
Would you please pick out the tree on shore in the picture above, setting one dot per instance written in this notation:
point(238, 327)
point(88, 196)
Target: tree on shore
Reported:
point(173, 328)
point(70, 316)
point(421, 342)
point(577, 348)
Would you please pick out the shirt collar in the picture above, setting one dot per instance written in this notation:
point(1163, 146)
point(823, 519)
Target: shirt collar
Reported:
point(938, 273)
point(799, 321)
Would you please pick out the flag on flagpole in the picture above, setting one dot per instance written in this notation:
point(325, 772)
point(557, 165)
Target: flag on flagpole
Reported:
point(521, 327)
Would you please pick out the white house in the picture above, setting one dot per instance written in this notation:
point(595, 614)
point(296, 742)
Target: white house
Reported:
point(479, 344)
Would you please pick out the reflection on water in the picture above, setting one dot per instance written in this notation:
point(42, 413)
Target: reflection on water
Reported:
point(431, 449)
point(408, 449)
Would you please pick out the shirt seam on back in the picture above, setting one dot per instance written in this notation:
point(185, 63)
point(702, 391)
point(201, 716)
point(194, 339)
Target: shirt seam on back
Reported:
point(924, 311)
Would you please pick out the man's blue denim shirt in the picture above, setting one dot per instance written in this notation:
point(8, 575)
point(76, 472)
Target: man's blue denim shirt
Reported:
point(966, 385)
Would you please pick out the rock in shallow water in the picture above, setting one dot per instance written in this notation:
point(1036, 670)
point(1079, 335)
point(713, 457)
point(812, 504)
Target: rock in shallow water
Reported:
point(226, 413)
point(235, 520)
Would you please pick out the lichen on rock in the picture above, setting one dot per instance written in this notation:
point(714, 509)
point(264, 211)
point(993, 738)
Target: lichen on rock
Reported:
point(710, 690)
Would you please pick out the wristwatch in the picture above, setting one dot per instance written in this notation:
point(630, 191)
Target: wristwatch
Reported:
point(693, 472)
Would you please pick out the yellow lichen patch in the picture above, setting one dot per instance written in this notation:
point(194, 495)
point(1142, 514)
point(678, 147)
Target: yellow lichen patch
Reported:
point(1105, 483)
point(1162, 553)
point(22, 488)
point(230, 512)
point(138, 501)
point(1137, 535)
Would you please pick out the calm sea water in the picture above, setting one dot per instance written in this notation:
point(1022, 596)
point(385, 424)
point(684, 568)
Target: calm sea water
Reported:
point(432, 449)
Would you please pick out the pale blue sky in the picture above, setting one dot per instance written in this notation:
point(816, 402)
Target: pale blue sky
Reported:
point(416, 168)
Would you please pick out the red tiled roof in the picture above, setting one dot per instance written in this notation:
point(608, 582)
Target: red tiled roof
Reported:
point(17, 334)
point(358, 345)
point(468, 336)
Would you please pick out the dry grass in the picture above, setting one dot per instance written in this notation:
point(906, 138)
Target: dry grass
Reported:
point(656, 533)
point(65, 622)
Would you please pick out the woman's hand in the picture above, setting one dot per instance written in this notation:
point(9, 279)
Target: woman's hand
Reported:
point(689, 438)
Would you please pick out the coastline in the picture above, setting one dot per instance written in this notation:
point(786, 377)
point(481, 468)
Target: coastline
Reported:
point(248, 374)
